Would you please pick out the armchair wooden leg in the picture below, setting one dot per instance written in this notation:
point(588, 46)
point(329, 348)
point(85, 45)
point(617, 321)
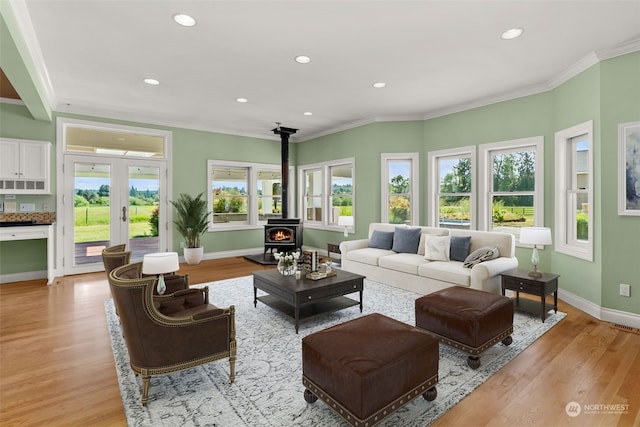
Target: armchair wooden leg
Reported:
point(145, 388)
point(232, 368)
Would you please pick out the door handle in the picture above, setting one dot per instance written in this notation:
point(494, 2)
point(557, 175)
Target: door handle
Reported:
point(124, 214)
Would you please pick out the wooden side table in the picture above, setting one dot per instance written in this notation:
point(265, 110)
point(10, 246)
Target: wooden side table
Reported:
point(519, 281)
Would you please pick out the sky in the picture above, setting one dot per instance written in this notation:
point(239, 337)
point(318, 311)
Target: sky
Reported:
point(88, 183)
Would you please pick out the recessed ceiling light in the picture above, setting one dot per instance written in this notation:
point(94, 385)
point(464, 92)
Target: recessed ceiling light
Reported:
point(184, 20)
point(512, 34)
point(153, 82)
point(242, 100)
point(308, 113)
point(379, 85)
point(302, 59)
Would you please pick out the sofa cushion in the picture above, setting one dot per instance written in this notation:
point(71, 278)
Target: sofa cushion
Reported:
point(381, 239)
point(406, 239)
point(479, 255)
point(450, 272)
point(437, 248)
point(459, 248)
point(407, 263)
point(368, 255)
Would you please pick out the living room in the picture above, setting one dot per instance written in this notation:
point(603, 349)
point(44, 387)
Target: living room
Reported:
point(602, 87)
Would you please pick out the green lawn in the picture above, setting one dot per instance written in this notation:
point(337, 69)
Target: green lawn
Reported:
point(92, 222)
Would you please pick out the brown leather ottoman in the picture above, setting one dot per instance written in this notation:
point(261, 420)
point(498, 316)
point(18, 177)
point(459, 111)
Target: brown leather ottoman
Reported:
point(467, 319)
point(366, 368)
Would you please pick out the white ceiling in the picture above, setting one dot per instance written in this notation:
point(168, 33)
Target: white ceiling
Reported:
point(435, 56)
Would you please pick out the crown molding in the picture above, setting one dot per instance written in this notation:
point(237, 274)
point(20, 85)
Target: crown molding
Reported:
point(155, 120)
point(337, 129)
point(619, 50)
point(581, 65)
point(483, 102)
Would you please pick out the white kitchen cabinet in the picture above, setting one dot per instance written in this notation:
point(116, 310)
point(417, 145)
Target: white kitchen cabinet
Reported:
point(24, 166)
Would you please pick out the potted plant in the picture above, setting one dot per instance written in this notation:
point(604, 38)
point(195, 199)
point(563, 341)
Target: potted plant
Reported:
point(191, 221)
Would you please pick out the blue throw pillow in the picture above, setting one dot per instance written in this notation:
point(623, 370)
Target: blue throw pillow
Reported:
point(381, 239)
point(459, 248)
point(406, 240)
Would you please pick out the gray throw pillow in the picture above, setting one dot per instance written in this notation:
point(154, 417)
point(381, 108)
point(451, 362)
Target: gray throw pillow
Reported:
point(406, 240)
point(485, 253)
point(459, 248)
point(381, 239)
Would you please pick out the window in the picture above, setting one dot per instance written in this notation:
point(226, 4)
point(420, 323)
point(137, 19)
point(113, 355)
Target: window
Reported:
point(313, 196)
point(512, 183)
point(451, 195)
point(328, 192)
point(574, 191)
point(230, 193)
point(243, 194)
point(269, 194)
point(399, 188)
point(341, 192)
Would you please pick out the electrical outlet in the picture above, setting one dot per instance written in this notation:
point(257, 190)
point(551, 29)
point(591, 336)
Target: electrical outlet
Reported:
point(625, 290)
point(45, 207)
point(27, 207)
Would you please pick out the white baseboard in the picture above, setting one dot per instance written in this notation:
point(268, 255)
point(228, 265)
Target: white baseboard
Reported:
point(600, 313)
point(21, 277)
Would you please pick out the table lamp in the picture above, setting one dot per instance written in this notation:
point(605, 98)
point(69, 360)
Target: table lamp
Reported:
point(347, 221)
point(160, 263)
point(535, 236)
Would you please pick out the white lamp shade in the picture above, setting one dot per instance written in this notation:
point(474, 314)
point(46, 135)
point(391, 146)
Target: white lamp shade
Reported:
point(160, 263)
point(535, 235)
point(347, 221)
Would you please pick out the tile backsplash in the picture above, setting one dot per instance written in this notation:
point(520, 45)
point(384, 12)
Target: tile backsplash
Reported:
point(39, 217)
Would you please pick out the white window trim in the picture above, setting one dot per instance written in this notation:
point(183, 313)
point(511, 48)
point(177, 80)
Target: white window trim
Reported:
point(326, 192)
point(434, 181)
point(564, 243)
point(485, 167)
point(252, 189)
point(415, 180)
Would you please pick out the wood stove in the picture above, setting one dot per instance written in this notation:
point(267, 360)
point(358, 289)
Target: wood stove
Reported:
point(283, 235)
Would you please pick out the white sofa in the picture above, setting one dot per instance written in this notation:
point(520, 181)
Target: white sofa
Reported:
point(411, 271)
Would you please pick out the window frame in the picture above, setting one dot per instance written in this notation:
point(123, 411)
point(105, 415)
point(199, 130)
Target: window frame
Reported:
point(485, 179)
point(434, 157)
point(414, 184)
point(252, 192)
point(565, 167)
point(326, 196)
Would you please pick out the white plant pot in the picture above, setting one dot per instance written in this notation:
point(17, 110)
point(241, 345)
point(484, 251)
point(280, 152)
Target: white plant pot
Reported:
point(193, 255)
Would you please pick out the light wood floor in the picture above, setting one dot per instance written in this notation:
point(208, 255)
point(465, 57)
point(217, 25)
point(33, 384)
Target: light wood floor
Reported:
point(56, 364)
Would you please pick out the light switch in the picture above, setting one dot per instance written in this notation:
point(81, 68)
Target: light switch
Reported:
point(27, 207)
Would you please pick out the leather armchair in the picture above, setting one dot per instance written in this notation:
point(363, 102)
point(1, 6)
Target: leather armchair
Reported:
point(171, 332)
point(115, 256)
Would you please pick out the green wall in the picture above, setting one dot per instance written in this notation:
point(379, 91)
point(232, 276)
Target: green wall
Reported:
point(620, 103)
point(365, 144)
point(575, 102)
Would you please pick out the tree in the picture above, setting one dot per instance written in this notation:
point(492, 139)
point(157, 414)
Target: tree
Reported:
point(399, 185)
point(103, 191)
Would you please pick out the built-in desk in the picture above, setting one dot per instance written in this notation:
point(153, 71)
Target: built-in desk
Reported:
point(33, 232)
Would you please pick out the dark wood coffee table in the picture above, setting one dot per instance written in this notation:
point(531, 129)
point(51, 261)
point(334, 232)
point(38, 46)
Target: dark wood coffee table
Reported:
point(303, 298)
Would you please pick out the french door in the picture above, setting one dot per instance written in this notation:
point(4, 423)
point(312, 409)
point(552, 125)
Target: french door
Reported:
point(112, 200)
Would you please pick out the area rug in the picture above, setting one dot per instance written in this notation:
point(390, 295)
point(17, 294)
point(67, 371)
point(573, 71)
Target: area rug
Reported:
point(268, 388)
